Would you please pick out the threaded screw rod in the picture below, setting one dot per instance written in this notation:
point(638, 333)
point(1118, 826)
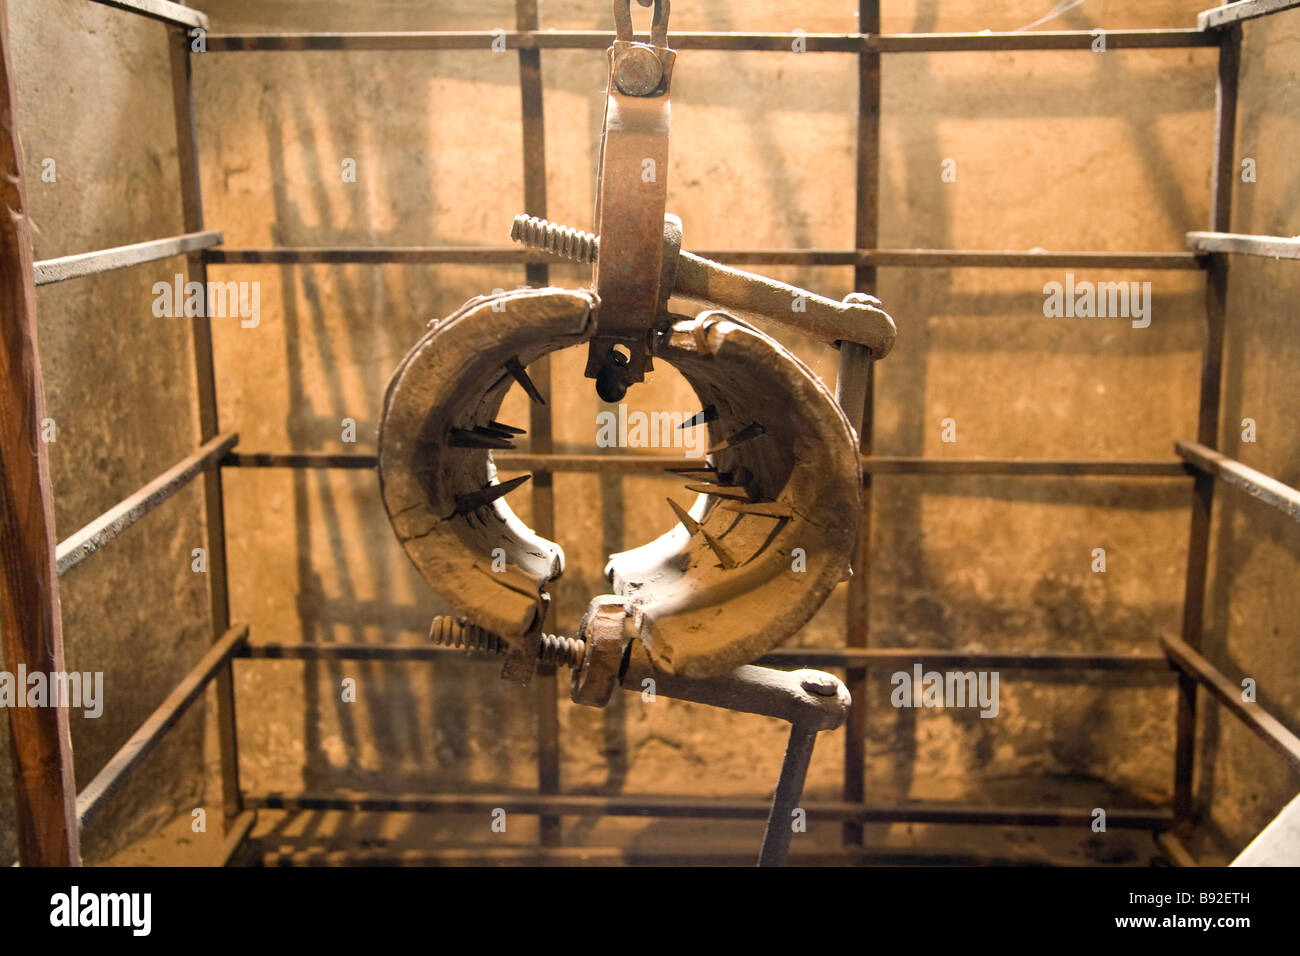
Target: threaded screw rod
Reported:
point(558, 240)
point(554, 649)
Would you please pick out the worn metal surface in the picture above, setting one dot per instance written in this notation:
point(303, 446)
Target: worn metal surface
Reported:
point(631, 190)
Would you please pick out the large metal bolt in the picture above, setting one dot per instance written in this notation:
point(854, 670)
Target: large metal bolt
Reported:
point(638, 72)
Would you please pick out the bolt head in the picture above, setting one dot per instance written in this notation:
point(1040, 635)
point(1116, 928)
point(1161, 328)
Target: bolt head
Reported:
point(638, 71)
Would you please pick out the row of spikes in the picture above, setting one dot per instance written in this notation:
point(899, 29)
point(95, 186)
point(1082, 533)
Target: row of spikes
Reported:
point(496, 436)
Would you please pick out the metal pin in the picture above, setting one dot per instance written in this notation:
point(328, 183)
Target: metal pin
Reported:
point(515, 368)
point(769, 509)
point(489, 431)
point(474, 500)
point(689, 523)
point(461, 438)
point(723, 554)
point(707, 414)
point(747, 433)
point(722, 491)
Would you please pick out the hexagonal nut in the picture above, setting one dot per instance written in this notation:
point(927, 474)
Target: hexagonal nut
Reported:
point(605, 631)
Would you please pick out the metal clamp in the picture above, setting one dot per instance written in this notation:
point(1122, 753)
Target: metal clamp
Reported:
point(631, 193)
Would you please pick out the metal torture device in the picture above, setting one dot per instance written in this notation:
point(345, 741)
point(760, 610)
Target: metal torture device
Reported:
point(693, 608)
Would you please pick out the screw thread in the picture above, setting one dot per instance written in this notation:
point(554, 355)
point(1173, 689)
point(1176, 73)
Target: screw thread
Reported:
point(555, 649)
point(563, 241)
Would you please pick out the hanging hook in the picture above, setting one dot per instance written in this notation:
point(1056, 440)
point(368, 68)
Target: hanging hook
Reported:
point(658, 23)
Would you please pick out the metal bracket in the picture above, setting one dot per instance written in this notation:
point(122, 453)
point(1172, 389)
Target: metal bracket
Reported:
point(631, 194)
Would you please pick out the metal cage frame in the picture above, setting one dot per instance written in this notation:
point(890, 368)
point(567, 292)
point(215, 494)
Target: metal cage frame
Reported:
point(1218, 28)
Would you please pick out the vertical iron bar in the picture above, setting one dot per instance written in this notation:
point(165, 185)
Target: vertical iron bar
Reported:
point(789, 791)
point(539, 419)
point(31, 624)
point(1207, 428)
point(206, 387)
point(864, 280)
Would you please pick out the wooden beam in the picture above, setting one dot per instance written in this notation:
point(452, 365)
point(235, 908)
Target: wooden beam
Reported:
point(1232, 13)
point(1267, 727)
point(1272, 247)
point(1254, 483)
point(76, 548)
point(175, 14)
point(31, 627)
point(119, 257)
point(91, 800)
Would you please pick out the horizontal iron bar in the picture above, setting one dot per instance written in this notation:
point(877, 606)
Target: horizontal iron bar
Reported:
point(666, 806)
point(1230, 13)
point(517, 255)
point(115, 772)
point(489, 40)
point(1267, 727)
point(885, 657)
point(635, 463)
point(620, 856)
point(1254, 483)
point(305, 459)
point(1272, 247)
point(119, 257)
point(802, 656)
point(82, 544)
point(174, 13)
point(893, 465)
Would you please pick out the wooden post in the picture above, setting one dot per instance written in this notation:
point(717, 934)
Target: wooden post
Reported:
point(31, 627)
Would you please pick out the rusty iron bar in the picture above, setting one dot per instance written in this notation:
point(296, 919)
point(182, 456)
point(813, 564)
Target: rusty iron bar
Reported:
point(87, 541)
point(672, 806)
point(1263, 724)
point(1230, 14)
point(1242, 477)
point(173, 14)
point(637, 463)
point(205, 382)
point(1207, 428)
point(904, 258)
point(482, 40)
point(120, 257)
point(1271, 247)
point(856, 386)
point(867, 657)
point(115, 773)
